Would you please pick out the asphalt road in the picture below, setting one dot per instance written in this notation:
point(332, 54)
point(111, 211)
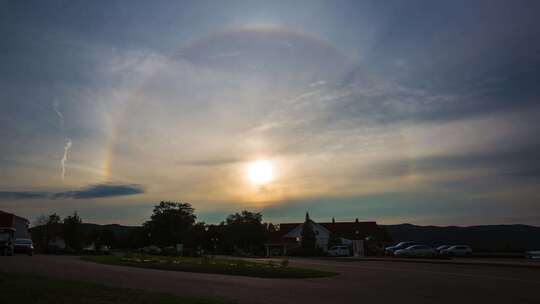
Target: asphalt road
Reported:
point(359, 281)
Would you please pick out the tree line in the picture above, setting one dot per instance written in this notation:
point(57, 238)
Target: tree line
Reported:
point(171, 223)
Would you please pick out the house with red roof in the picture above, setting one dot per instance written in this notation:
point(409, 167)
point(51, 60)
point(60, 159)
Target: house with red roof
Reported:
point(288, 237)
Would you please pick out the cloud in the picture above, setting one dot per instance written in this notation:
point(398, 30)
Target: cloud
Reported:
point(210, 162)
point(226, 54)
point(17, 195)
point(94, 191)
point(67, 147)
point(59, 114)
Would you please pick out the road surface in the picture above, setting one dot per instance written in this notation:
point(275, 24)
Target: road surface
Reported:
point(359, 281)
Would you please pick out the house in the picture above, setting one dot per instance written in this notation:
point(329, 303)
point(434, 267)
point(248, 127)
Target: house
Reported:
point(288, 237)
point(13, 221)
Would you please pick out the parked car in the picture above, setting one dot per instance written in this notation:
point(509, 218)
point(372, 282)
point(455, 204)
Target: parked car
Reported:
point(392, 249)
point(6, 240)
point(92, 249)
point(533, 254)
point(458, 250)
point(25, 246)
point(416, 251)
point(339, 250)
point(105, 249)
point(441, 248)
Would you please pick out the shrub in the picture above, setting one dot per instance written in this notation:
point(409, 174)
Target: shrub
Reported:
point(285, 263)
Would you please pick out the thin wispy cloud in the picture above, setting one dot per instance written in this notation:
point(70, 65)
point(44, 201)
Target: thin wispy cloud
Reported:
point(56, 104)
point(64, 159)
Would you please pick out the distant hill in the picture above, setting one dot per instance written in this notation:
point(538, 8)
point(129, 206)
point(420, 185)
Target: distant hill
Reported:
point(120, 232)
point(509, 238)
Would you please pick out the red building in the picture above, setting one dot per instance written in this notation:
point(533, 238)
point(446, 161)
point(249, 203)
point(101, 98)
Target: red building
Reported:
point(9, 220)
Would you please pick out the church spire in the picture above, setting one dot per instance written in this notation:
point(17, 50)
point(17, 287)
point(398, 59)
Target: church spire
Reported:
point(307, 216)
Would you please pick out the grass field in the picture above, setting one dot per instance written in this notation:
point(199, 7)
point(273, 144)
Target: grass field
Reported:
point(211, 265)
point(24, 288)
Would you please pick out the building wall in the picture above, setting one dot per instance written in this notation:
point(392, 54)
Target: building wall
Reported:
point(322, 235)
point(21, 226)
point(58, 242)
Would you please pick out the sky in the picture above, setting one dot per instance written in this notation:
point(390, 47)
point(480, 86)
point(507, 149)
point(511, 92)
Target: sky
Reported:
point(422, 112)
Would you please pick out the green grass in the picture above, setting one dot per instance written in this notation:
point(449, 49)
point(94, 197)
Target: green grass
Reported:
point(24, 288)
point(210, 265)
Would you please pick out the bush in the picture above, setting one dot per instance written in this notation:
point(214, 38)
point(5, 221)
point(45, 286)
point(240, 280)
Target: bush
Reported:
point(285, 263)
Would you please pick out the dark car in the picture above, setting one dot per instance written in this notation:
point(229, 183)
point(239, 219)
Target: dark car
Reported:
point(24, 246)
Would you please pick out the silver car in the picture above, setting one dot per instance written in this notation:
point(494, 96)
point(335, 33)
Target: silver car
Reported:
point(458, 250)
point(416, 251)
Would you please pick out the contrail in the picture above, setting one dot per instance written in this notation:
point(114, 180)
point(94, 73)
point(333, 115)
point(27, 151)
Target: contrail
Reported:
point(67, 147)
point(60, 115)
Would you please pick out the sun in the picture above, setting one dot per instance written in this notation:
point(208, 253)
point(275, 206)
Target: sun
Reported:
point(260, 172)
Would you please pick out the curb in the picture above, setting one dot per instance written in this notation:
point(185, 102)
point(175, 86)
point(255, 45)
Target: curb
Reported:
point(444, 262)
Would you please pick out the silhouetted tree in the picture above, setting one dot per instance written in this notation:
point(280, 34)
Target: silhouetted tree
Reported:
point(309, 239)
point(198, 236)
point(170, 223)
point(73, 233)
point(38, 231)
point(138, 238)
point(107, 237)
point(53, 229)
point(245, 231)
point(269, 227)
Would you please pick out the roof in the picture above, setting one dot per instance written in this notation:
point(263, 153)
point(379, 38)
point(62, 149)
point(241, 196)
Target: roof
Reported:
point(347, 230)
point(353, 230)
point(8, 219)
point(278, 237)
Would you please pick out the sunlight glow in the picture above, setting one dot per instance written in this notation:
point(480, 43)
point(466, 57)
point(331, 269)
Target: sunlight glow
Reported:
point(260, 172)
